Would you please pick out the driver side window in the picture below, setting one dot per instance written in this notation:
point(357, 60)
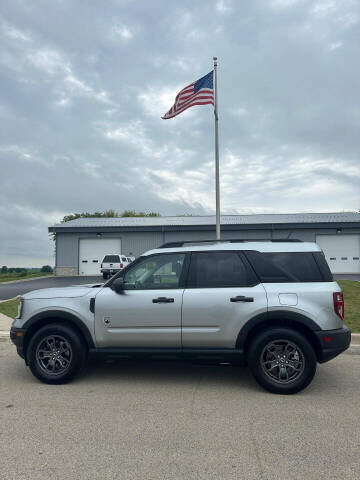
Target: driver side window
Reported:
point(155, 272)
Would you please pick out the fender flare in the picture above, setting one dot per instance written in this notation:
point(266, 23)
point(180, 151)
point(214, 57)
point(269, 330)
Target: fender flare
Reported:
point(61, 315)
point(285, 318)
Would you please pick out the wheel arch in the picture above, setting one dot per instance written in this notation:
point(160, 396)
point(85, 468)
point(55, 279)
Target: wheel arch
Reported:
point(296, 321)
point(45, 318)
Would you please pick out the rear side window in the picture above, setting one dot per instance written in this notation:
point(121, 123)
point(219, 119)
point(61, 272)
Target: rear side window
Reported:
point(123, 259)
point(219, 269)
point(111, 259)
point(285, 267)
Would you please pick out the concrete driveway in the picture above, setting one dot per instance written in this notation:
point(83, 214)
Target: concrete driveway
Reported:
point(11, 290)
point(173, 421)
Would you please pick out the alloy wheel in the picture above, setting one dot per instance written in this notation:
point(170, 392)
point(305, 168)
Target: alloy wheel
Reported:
point(282, 361)
point(54, 354)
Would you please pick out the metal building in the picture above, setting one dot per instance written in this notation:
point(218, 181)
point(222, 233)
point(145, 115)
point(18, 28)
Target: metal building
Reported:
point(81, 244)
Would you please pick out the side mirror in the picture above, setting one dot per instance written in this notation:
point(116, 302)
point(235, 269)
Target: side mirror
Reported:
point(118, 285)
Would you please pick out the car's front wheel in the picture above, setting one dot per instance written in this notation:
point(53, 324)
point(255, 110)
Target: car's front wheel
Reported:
point(56, 353)
point(282, 360)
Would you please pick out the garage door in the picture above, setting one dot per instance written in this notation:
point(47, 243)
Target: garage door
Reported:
point(342, 252)
point(93, 250)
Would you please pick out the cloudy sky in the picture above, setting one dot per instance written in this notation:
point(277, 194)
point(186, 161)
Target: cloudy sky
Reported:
point(83, 86)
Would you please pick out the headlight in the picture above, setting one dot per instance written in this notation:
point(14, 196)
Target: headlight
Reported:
point(20, 307)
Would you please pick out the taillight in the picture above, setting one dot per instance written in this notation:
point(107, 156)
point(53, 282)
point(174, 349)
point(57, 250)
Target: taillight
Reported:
point(101, 266)
point(339, 304)
point(121, 265)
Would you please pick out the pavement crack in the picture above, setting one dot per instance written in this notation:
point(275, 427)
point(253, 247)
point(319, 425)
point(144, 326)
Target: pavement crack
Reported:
point(257, 453)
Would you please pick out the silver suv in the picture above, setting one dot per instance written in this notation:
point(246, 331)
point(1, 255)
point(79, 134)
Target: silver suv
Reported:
point(272, 305)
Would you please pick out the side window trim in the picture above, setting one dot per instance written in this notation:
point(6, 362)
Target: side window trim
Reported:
point(184, 276)
point(250, 268)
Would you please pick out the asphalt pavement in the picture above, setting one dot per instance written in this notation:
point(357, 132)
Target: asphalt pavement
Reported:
point(174, 421)
point(347, 276)
point(11, 290)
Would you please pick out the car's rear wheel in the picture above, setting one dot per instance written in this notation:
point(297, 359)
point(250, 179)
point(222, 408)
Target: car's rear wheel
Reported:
point(56, 353)
point(282, 360)
point(105, 276)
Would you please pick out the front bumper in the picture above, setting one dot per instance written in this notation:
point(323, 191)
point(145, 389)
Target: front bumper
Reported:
point(17, 336)
point(333, 342)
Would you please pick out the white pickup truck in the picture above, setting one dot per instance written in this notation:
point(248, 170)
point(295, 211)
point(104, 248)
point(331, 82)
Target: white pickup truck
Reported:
point(112, 264)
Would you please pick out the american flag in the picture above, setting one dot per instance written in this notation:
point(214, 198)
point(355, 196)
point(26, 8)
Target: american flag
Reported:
point(200, 92)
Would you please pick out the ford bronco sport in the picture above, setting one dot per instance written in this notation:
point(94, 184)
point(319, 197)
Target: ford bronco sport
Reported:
point(271, 305)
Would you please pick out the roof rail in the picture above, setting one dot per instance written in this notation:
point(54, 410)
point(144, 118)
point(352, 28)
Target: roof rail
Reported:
point(227, 240)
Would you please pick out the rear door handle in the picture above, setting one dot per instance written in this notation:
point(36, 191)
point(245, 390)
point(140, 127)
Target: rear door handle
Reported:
point(241, 298)
point(162, 300)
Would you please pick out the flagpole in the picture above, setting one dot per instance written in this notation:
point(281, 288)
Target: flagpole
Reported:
point(217, 181)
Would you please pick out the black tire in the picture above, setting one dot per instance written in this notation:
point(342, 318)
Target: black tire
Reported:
point(64, 366)
point(288, 346)
point(105, 276)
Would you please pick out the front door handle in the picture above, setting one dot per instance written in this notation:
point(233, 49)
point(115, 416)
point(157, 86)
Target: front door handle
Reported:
point(162, 300)
point(241, 298)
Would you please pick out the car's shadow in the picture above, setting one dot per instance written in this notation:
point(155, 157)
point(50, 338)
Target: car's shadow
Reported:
point(166, 372)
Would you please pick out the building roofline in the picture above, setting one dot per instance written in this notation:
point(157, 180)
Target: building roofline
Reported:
point(208, 227)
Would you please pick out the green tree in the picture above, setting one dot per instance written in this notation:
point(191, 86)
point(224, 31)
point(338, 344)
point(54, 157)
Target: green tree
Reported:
point(46, 268)
point(133, 213)
point(73, 216)
point(4, 269)
point(108, 213)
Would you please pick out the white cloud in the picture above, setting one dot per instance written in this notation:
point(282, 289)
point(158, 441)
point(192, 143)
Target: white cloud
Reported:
point(238, 111)
point(20, 151)
point(20, 51)
point(63, 102)
point(335, 45)
point(181, 63)
point(122, 31)
point(15, 33)
point(157, 101)
point(223, 6)
point(324, 7)
point(134, 134)
point(344, 12)
point(49, 61)
point(67, 84)
point(284, 3)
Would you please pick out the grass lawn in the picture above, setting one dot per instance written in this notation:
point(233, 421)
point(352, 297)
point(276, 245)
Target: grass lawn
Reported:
point(351, 295)
point(10, 308)
point(352, 304)
point(8, 277)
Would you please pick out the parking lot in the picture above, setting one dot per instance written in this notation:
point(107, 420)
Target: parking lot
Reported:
point(163, 421)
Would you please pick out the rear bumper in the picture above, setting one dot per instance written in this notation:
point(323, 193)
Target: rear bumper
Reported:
point(110, 270)
point(333, 342)
point(17, 336)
